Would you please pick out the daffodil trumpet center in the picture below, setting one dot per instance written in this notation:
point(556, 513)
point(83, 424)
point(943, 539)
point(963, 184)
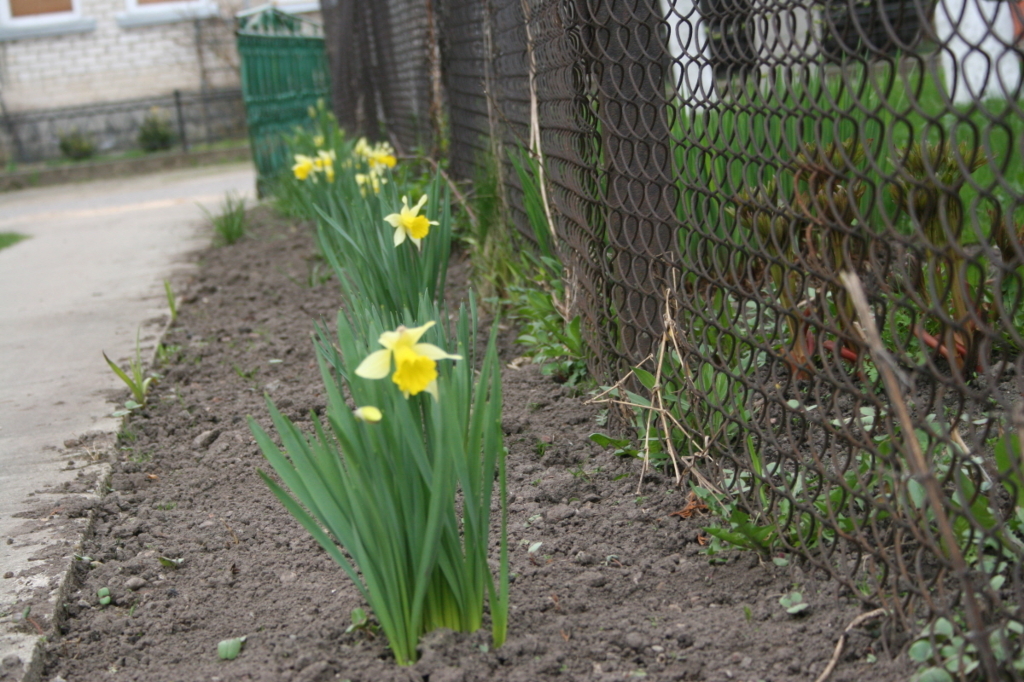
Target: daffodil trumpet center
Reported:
point(415, 363)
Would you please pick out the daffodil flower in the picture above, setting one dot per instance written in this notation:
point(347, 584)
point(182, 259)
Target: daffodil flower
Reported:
point(378, 157)
point(415, 362)
point(381, 158)
point(409, 223)
point(304, 165)
point(326, 160)
point(362, 148)
point(368, 414)
point(372, 180)
point(318, 141)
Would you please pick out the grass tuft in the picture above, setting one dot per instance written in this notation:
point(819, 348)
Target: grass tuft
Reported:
point(231, 223)
point(10, 239)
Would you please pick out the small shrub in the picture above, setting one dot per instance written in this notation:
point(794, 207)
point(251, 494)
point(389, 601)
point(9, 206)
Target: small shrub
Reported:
point(77, 145)
point(155, 133)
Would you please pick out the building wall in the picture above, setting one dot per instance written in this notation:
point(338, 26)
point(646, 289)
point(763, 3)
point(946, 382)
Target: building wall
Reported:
point(118, 59)
point(106, 68)
point(114, 62)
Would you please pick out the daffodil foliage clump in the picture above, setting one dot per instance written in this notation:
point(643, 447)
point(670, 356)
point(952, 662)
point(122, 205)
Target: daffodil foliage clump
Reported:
point(388, 248)
point(397, 478)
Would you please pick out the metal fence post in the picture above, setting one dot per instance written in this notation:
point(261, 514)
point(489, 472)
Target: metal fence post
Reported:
point(181, 120)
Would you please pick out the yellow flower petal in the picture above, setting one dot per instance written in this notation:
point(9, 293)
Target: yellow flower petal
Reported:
point(303, 166)
point(400, 236)
point(368, 414)
point(433, 352)
point(390, 339)
point(413, 335)
point(376, 365)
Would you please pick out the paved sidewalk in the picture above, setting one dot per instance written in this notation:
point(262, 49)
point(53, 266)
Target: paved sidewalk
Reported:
point(88, 278)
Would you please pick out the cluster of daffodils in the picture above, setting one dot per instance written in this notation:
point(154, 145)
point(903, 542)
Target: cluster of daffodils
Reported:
point(309, 167)
point(377, 159)
point(399, 489)
point(415, 363)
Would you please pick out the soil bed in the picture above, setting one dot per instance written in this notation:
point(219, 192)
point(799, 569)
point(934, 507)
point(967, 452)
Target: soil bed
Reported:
point(618, 590)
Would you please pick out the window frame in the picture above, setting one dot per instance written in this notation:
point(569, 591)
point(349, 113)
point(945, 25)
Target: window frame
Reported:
point(41, 25)
point(169, 12)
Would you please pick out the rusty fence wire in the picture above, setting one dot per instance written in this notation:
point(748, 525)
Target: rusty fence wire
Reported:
point(725, 178)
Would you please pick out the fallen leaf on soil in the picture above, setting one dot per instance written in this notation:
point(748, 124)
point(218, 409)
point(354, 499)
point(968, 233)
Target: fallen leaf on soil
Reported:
point(694, 505)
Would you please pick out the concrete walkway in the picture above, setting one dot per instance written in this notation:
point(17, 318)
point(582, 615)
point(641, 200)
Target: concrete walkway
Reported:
point(88, 278)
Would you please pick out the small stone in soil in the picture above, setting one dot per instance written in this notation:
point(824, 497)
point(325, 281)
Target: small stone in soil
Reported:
point(584, 559)
point(135, 583)
point(635, 640)
point(204, 439)
point(559, 513)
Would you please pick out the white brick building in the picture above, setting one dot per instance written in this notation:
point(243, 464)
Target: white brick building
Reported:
point(61, 54)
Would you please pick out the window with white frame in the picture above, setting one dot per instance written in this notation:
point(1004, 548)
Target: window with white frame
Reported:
point(21, 19)
point(152, 12)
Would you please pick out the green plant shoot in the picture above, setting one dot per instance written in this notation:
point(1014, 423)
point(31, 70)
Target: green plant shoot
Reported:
point(137, 382)
point(403, 484)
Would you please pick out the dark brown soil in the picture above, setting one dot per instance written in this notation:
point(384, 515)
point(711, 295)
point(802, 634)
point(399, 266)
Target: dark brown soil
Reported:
point(619, 589)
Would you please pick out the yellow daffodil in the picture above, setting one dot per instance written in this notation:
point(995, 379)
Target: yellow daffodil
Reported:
point(380, 158)
point(326, 160)
point(318, 141)
point(370, 180)
point(409, 223)
point(311, 111)
point(415, 362)
point(304, 165)
point(362, 148)
point(368, 414)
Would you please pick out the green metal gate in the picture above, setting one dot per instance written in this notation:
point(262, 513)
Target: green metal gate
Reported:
point(284, 72)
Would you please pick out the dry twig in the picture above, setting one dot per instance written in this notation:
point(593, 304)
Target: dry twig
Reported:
point(856, 622)
point(894, 380)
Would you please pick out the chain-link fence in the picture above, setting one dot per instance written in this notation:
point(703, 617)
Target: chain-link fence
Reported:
point(725, 178)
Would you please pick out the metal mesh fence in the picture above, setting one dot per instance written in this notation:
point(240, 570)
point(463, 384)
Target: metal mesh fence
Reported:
point(465, 44)
point(385, 70)
point(722, 174)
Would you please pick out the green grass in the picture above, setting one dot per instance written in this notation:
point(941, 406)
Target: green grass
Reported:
point(756, 136)
point(767, 175)
point(10, 239)
point(230, 224)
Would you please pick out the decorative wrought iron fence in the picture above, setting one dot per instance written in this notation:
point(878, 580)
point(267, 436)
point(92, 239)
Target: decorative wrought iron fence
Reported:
point(726, 177)
point(284, 73)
